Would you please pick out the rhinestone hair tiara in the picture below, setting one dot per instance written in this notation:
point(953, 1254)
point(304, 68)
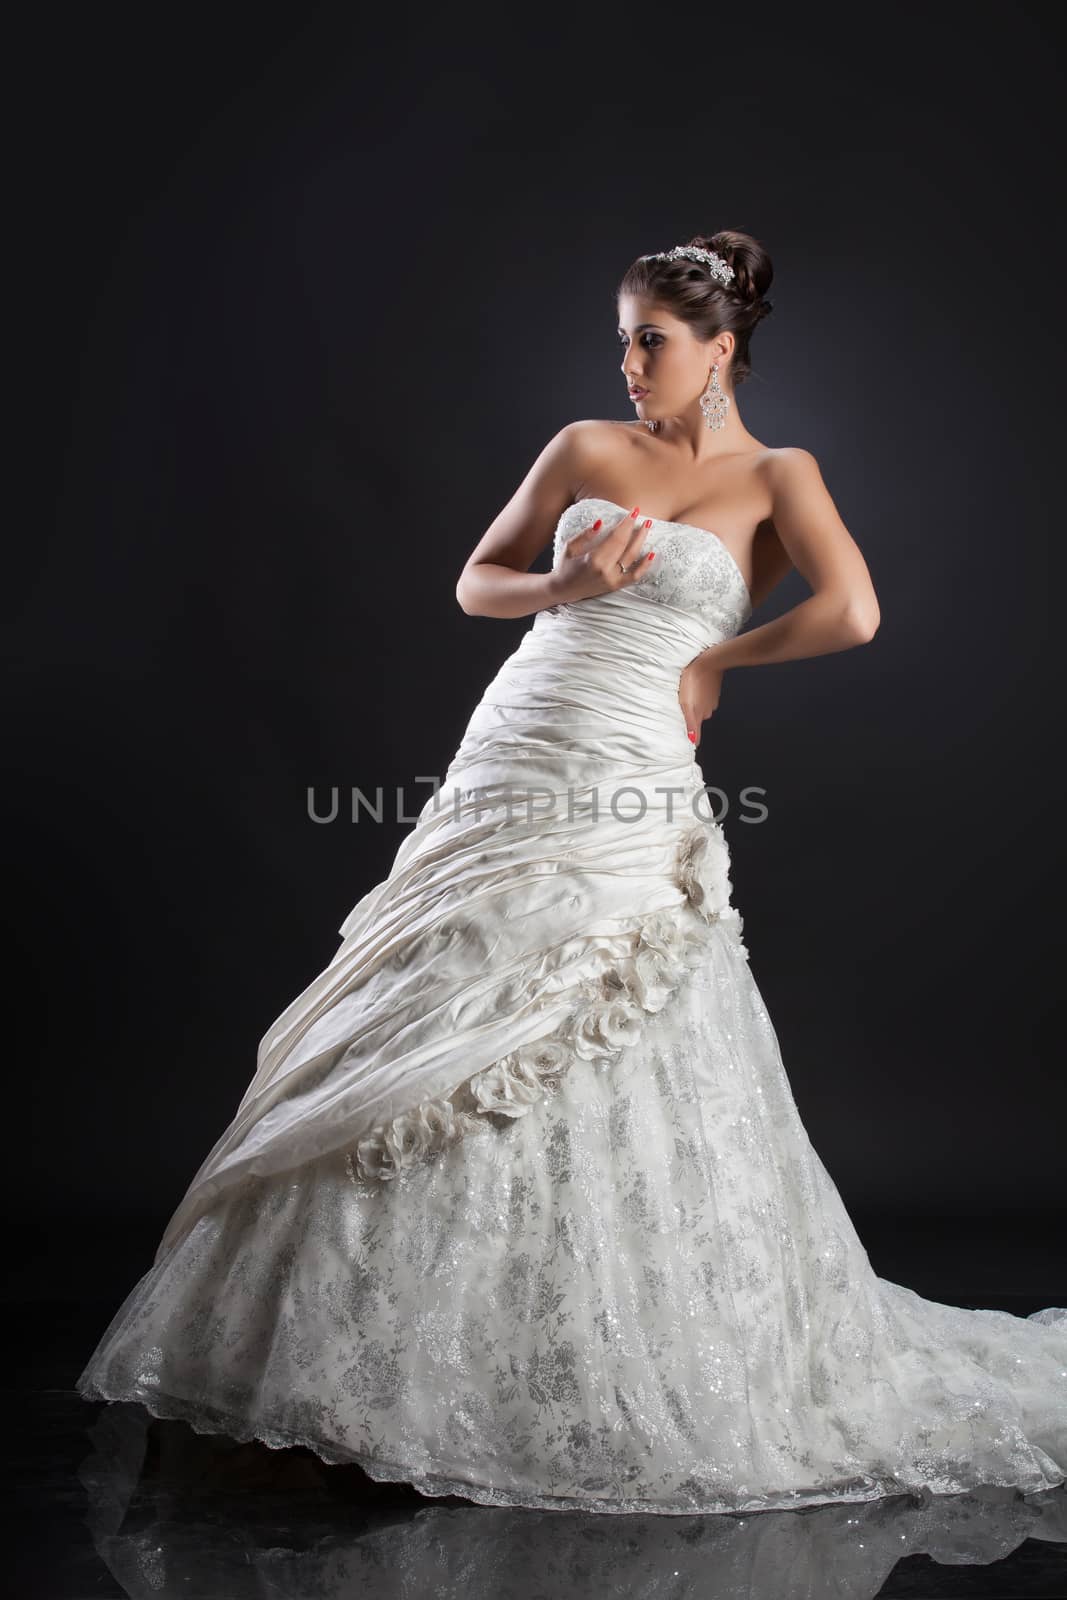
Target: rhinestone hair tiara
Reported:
point(715, 264)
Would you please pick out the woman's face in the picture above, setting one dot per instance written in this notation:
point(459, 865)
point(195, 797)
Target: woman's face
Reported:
point(661, 354)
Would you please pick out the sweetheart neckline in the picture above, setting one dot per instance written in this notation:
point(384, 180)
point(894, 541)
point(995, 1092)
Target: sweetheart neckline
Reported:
point(665, 522)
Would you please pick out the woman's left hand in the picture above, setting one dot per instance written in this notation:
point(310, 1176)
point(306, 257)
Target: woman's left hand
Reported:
point(699, 689)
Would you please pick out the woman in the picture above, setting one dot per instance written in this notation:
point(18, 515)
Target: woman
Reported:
point(518, 1204)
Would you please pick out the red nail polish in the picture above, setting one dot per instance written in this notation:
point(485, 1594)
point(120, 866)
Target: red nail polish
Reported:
point(596, 524)
point(651, 553)
point(635, 510)
point(693, 736)
point(648, 522)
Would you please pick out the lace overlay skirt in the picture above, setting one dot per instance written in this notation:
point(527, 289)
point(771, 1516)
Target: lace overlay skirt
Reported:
point(642, 1294)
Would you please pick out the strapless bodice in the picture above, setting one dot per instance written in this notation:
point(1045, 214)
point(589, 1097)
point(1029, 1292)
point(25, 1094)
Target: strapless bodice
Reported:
point(692, 570)
point(595, 681)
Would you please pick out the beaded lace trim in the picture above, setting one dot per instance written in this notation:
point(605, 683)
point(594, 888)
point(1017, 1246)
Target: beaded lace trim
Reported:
point(212, 1421)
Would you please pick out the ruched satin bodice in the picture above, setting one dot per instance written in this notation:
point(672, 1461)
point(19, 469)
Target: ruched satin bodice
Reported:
point(596, 680)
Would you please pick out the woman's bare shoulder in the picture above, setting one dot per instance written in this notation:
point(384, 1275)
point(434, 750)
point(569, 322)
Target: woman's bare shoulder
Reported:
point(588, 445)
point(787, 457)
point(599, 440)
point(596, 428)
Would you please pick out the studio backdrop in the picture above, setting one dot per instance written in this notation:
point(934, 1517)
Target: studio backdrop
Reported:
point(309, 297)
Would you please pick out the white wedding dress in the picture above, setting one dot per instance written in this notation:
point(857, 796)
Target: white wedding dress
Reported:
point(518, 1204)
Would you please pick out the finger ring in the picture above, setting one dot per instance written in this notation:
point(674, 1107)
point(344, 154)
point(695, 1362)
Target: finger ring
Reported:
point(621, 567)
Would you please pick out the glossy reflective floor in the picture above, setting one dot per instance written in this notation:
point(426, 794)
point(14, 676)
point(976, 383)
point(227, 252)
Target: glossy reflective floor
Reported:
point(110, 1502)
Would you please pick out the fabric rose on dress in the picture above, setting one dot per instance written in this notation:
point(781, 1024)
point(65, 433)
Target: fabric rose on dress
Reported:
point(663, 932)
point(431, 1126)
point(547, 1059)
point(704, 870)
point(658, 962)
point(606, 1028)
point(510, 1088)
point(404, 1138)
point(438, 1123)
point(373, 1159)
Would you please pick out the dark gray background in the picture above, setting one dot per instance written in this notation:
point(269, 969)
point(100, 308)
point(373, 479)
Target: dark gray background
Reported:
point(305, 299)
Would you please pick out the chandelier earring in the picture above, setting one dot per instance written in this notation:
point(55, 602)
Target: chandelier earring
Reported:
point(714, 402)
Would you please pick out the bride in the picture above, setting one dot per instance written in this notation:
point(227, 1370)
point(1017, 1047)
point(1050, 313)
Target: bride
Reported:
point(518, 1204)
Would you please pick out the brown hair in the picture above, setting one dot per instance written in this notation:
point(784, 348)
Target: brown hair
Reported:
point(684, 288)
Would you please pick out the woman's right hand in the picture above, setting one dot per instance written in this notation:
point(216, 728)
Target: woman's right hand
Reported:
point(587, 568)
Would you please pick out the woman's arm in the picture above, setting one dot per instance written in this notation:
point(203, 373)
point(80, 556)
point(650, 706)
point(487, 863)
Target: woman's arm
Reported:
point(842, 610)
point(496, 580)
